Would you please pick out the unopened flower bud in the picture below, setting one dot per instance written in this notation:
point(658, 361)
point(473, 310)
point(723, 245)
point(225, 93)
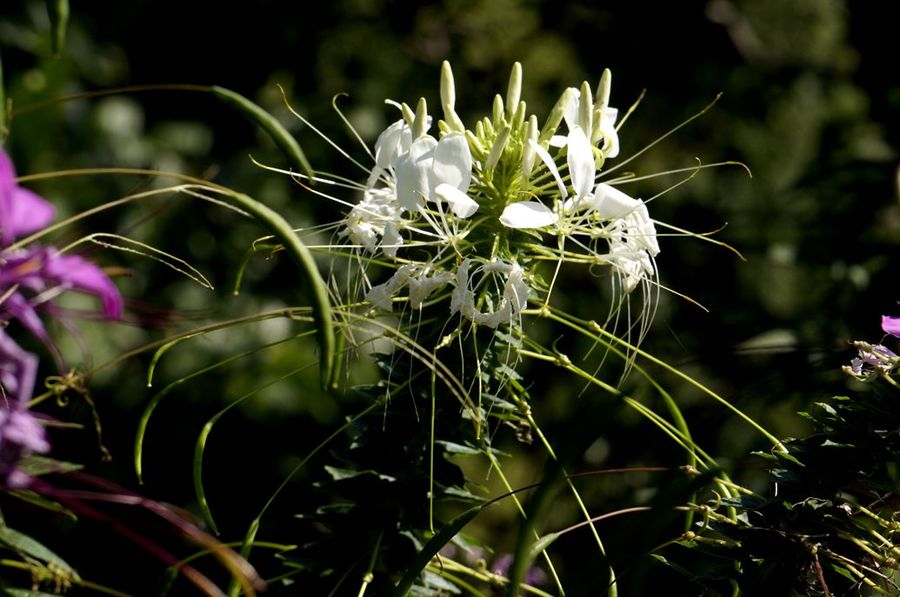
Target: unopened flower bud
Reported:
point(408, 115)
point(478, 150)
point(497, 148)
point(420, 121)
point(514, 91)
point(603, 89)
point(556, 116)
point(448, 99)
point(528, 152)
point(585, 108)
point(497, 113)
point(518, 119)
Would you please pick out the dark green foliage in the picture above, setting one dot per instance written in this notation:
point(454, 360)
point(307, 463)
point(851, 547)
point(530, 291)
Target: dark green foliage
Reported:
point(827, 525)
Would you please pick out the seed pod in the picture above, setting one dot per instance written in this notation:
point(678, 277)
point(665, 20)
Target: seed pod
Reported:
point(283, 139)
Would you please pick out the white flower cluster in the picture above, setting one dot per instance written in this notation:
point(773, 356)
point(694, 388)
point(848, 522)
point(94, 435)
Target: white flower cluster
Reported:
point(463, 208)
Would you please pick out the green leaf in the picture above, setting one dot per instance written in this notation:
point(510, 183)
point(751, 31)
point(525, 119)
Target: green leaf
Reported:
point(434, 545)
point(339, 474)
point(25, 545)
point(34, 466)
point(452, 448)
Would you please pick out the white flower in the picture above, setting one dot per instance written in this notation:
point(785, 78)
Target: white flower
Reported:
point(421, 286)
point(378, 215)
point(512, 301)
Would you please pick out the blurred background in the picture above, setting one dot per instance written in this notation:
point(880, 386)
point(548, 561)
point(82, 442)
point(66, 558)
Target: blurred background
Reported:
point(806, 103)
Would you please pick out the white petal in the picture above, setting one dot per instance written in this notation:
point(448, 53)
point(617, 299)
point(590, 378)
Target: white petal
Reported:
point(391, 240)
point(460, 204)
point(388, 144)
point(570, 113)
point(581, 162)
point(548, 161)
point(413, 169)
point(609, 133)
point(558, 141)
point(613, 204)
point(453, 161)
point(380, 297)
point(527, 214)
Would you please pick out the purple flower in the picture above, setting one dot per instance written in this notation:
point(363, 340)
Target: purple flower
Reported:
point(20, 436)
point(891, 325)
point(534, 577)
point(873, 359)
point(18, 370)
point(21, 211)
point(40, 274)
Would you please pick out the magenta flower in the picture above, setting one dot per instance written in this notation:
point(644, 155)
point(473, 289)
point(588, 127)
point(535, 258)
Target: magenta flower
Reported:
point(18, 370)
point(39, 274)
point(21, 211)
point(891, 325)
point(20, 435)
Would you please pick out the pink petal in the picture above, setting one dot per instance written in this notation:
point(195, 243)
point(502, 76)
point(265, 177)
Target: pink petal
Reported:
point(891, 325)
point(80, 274)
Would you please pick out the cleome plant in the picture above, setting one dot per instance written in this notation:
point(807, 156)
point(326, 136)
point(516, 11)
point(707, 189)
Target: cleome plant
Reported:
point(441, 278)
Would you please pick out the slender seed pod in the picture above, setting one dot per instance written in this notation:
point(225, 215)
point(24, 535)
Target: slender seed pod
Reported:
point(301, 255)
point(58, 11)
point(283, 139)
point(514, 91)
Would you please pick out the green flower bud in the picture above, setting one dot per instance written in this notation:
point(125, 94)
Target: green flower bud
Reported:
point(555, 117)
point(497, 113)
point(528, 152)
point(518, 119)
point(420, 122)
point(514, 90)
point(585, 107)
point(603, 88)
point(408, 115)
point(448, 99)
point(478, 150)
point(497, 148)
